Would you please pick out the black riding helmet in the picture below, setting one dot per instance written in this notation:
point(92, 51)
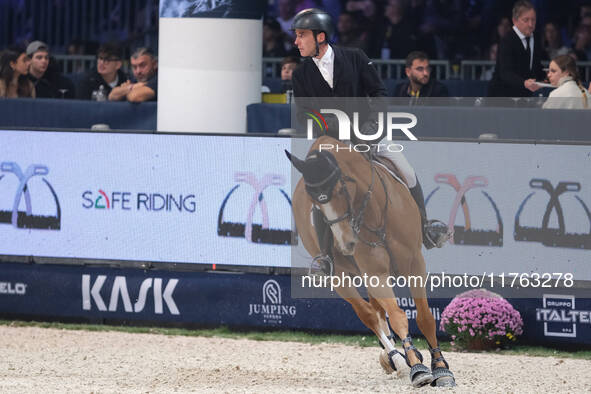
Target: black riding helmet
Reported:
point(316, 20)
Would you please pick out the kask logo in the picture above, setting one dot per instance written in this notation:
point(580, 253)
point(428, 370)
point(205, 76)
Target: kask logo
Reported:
point(120, 290)
point(466, 234)
point(553, 237)
point(262, 232)
point(272, 308)
point(27, 218)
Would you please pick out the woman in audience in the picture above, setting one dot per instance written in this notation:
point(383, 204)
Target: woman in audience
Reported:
point(569, 92)
point(553, 41)
point(14, 67)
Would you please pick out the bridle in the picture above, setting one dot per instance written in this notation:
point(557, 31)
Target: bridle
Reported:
point(355, 219)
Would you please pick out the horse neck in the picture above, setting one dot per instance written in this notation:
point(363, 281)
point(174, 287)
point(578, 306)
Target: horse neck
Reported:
point(362, 173)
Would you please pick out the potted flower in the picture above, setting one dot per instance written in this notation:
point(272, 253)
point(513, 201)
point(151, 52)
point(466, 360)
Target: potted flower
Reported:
point(480, 319)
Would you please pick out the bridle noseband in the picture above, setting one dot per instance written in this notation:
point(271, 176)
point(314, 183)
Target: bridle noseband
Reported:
point(355, 221)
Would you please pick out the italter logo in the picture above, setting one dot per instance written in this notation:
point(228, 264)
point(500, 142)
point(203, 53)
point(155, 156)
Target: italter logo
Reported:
point(272, 308)
point(560, 316)
point(128, 201)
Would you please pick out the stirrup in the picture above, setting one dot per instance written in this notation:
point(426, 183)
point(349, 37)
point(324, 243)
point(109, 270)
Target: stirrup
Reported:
point(436, 234)
point(408, 340)
point(321, 265)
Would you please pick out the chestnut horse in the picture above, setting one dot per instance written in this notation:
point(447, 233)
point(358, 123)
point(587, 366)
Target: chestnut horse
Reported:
point(376, 229)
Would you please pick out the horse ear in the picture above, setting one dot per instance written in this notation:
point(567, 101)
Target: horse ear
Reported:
point(297, 163)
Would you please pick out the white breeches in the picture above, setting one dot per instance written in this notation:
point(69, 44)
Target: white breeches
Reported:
point(401, 163)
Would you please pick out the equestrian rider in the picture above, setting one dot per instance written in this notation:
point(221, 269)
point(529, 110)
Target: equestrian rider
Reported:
point(332, 71)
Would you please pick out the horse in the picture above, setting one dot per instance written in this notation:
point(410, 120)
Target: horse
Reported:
point(376, 230)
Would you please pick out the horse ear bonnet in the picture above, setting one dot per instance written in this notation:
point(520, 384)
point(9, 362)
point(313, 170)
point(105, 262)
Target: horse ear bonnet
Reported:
point(321, 174)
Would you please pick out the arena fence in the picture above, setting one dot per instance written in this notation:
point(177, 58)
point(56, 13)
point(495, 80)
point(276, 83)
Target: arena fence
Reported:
point(388, 69)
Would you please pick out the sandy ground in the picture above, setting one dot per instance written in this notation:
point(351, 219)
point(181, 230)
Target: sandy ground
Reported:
point(39, 360)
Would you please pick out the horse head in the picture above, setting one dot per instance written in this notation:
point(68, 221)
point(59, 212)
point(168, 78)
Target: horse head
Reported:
point(326, 186)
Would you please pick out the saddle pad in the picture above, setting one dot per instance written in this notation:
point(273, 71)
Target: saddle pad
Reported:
point(394, 175)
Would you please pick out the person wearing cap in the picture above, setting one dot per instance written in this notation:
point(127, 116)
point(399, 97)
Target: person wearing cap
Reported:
point(107, 73)
point(48, 81)
point(333, 71)
point(144, 66)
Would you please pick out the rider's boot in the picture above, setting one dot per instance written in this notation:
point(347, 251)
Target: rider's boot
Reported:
point(323, 262)
point(435, 232)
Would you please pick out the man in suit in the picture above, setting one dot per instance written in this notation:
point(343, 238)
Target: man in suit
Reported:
point(519, 57)
point(332, 71)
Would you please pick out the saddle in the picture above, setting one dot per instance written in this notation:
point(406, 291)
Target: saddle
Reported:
point(389, 167)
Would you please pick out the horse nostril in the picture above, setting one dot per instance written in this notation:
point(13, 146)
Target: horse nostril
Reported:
point(350, 245)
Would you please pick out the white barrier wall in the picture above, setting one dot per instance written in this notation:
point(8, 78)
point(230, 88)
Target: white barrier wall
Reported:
point(226, 200)
point(209, 64)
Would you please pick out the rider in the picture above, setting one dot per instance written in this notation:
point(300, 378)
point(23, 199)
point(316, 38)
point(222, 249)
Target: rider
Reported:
point(316, 77)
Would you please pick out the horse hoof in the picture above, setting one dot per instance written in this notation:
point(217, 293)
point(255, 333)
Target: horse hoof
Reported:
point(385, 363)
point(445, 381)
point(420, 375)
point(443, 377)
point(399, 362)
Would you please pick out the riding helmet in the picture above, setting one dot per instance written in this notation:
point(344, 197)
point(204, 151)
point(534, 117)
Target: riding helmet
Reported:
point(314, 19)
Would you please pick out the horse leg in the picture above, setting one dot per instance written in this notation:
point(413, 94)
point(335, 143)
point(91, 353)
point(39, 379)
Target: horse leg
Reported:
point(419, 374)
point(390, 359)
point(443, 377)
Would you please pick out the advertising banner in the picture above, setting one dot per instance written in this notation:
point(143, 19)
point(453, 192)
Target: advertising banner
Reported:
point(240, 300)
point(157, 198)
point(519, 212)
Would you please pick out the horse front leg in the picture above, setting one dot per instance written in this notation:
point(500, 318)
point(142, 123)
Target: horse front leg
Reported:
point(377, 265)
point(390, 359)
point(442, 375)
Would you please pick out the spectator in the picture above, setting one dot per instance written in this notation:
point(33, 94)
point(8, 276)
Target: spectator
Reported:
point(14, 67)
point(583, 37)
point(144, 66)
point(288, 65)
point(569, 92)
point(420, 83)
point(272, 39)
point(519, 57)
point(492, 55)
point(582, 43)
point(397, 32)
point(107, 73)
point(48, 81)
point(286, 12)
point(349, 32)
point(553, 41)
point(503, 28)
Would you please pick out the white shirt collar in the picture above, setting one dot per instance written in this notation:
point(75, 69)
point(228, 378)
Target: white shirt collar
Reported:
point(326, 66)
point(519, 33)
point(327, 58)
